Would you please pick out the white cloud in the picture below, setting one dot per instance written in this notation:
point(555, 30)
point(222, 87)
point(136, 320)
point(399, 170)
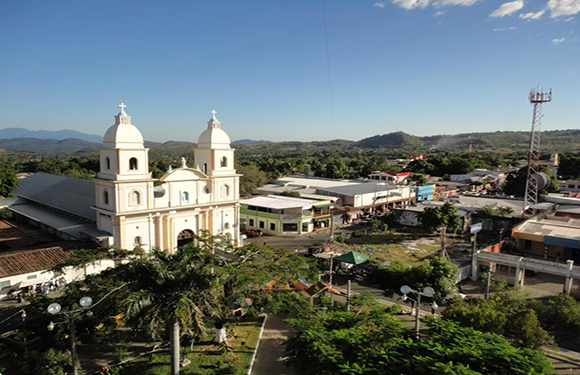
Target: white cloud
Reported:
point(532, 15)
point(379, 5)
point(569, 19)
point(411, 4)
point(557, 41)
point(563, 7)
point(506, 28)
point(452, 3)
point(439, 13)
point(508, 8)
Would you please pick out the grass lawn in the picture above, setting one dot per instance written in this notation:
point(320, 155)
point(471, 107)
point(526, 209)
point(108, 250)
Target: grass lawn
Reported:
point(407, 248)
point(206, 358)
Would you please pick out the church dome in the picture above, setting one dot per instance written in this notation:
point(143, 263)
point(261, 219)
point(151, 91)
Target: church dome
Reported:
point(214, 136)
point(123, 134)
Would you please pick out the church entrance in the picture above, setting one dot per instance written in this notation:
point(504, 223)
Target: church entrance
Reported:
point(185, 237)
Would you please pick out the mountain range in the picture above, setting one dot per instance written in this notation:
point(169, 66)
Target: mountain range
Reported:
point(63, 141)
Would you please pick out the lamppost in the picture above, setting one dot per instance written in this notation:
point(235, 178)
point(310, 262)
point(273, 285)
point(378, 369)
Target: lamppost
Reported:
point(56, 309)
point(23, 316)
point(427, 292)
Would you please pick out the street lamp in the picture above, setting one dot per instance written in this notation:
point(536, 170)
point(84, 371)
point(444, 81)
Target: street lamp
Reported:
point(56, 309)
point(23, 316)
point(427, 292)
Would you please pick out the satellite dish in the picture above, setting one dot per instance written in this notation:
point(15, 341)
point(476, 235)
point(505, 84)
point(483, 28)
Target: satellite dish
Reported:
point(54, 308)
point(405, 289)
point(86, 301)
point(428, 291)
point(543, 180)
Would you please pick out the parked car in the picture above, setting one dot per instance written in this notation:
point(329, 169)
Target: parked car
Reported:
point(252, 233)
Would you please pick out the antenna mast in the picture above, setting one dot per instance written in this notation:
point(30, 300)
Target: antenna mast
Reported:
point(537, 98)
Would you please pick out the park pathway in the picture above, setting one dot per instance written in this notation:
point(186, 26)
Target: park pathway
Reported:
point(270, 356)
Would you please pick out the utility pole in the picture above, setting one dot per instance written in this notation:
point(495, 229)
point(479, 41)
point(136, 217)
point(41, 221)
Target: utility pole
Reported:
point(488, 283)
point(331, 223)
point(348, 291)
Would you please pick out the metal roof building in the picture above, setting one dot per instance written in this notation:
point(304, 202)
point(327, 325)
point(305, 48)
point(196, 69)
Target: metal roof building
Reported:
point(71, 195)
point(60, 205)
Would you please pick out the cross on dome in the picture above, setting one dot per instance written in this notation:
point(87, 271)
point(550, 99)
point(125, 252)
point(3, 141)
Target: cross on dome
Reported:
point(122, 106)
point(213, 112)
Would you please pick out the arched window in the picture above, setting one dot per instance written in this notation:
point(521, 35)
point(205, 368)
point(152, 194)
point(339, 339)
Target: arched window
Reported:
point(224, 162)
point(108, 162)
point(185, 196)
point(133, 164)
point(135, 198)
point(226, 190)
point(105, 197)
point(137, 241)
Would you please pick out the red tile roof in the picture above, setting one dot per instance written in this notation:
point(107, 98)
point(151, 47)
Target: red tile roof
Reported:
point(26, 261)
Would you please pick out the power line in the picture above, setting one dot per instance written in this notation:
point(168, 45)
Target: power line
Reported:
point(328, 69)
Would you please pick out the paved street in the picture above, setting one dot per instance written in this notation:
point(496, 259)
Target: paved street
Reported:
point(270, 356)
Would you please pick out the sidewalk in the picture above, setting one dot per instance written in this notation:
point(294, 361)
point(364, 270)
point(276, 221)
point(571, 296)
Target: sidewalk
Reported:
point(270, 356)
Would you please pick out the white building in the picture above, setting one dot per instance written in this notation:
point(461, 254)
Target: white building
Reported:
point(276, 214)
point(187, 201)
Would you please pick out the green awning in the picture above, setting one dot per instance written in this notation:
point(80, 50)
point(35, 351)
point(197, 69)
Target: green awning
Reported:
point(354, 257)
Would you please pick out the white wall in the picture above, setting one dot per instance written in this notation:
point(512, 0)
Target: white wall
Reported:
point(69, 273)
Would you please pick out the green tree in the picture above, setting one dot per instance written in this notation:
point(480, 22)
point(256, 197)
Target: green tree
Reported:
point(433, 218)
point(49, 362)
point(170, 293)
point(496, 210)
point(372, 341)
point(8, 182)
point(252, 178)
point(290, 193)
point(418, 178)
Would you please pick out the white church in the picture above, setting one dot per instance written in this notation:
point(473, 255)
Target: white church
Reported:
point(186, 200)
point(125, 207)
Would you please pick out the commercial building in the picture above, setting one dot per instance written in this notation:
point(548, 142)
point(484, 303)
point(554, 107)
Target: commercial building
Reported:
point(351, 196)
point(275, 214)
point(394, 178)
point(549, 237)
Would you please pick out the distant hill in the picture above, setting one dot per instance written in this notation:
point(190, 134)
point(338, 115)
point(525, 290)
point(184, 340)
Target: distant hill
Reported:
point(47, 145)
point(247, 141)
point(391, 140)
point(11, 133)
point(554, 140)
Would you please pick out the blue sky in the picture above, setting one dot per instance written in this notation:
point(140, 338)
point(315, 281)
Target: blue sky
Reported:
point(422, 66)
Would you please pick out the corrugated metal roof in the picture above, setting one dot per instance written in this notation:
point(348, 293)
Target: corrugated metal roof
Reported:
point(71, 195)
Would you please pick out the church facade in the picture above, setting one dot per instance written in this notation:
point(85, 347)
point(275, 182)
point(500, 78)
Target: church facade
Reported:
point(165, 213)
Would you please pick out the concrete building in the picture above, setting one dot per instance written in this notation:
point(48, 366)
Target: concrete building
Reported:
point(281, 215)
point(351, 196)
point(394, 178)
point(570, 186)
point(549, 237)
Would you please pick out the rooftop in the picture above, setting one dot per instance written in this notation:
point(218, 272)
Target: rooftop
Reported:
point(27, 261)
point(365, 188)
point(72, 195)
point(562, 227)
point(278, 202)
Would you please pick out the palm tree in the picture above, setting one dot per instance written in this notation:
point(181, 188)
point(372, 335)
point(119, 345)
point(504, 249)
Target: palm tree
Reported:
point(171, 292)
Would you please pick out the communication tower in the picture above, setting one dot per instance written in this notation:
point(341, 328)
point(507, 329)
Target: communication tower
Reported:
point(535, 181)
